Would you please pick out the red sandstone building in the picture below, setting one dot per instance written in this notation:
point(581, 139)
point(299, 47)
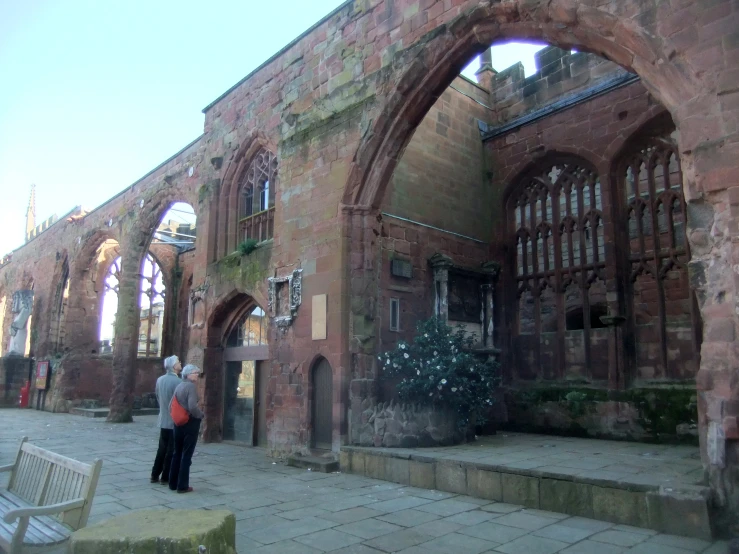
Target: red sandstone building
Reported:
point(582, 221)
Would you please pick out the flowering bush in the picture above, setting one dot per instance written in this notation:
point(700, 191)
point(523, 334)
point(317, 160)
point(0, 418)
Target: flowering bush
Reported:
point(439, 368)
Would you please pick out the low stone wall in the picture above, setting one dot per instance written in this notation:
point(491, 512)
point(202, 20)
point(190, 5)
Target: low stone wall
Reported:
point(13, 375)
point(394, 424)
point(666, 414)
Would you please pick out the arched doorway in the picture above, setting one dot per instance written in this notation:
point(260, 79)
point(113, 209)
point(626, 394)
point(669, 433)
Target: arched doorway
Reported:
point(245, 377)
point(322, 405)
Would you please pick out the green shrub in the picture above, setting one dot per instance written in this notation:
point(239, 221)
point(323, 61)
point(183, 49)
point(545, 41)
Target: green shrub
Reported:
point(439, 368)
point(248, 246)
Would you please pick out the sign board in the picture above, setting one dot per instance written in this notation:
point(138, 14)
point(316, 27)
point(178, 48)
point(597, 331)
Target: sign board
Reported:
point(319, 319)
point(42, 375)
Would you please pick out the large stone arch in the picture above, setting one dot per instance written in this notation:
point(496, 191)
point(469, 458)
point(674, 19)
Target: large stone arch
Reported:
point(692, 87)
point(425, 69)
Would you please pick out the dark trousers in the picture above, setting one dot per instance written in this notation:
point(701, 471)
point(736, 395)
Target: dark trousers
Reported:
point(164, 455)
point(185, 439)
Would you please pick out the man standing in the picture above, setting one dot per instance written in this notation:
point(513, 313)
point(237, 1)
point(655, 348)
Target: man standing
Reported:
point(165, 387)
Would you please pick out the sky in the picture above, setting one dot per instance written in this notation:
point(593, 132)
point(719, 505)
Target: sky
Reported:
point(93, 95)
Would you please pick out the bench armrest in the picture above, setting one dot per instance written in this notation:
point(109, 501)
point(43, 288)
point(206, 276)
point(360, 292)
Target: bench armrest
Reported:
point(8, 467)
point(12, 515)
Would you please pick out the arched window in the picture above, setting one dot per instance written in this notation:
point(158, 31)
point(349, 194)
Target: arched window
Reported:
point(152, 308)
point(663, 310)
point(257, 198)
point(251, 330)
point(555, 215)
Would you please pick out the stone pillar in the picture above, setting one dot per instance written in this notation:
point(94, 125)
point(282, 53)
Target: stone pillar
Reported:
point(441, 264)
point(125, 343)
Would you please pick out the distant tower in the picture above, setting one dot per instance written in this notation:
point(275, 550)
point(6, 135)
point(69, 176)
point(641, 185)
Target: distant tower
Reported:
point(31, 214)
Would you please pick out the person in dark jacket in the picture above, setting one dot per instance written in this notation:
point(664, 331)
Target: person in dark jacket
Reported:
point(165, 387)
point(185, 436)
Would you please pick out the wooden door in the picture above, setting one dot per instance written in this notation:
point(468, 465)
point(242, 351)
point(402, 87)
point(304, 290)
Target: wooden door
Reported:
point(322, 405)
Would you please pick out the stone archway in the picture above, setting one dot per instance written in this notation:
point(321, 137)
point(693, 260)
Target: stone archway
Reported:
point(689, 86)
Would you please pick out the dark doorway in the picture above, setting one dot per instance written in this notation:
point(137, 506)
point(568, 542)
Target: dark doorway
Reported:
point(322, 405)
point(261, 399)
point(238, 405)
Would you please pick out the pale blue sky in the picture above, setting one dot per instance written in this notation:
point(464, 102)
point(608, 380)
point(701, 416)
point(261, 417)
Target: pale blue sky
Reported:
point(95, 94)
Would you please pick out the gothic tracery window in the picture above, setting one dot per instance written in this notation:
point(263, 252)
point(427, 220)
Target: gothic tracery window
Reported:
point(257, 198)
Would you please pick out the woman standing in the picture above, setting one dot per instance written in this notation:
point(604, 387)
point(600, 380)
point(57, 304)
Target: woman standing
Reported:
point(185, 436)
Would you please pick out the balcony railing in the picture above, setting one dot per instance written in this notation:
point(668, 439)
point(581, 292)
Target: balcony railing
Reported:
point(260, 226)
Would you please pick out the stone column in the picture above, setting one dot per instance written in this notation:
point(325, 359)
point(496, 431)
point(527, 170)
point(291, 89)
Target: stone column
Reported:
point(441, 264)
point(125, 343)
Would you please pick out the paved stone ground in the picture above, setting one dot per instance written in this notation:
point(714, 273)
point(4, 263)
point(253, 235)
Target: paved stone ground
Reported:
point(284, 510)
point(654, 464)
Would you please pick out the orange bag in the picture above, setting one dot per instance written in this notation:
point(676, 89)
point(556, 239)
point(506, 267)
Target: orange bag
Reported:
point(180, 416)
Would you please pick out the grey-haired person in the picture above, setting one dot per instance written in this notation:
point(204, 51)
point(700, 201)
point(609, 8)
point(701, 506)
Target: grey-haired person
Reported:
point(185, 436)
point(165, 387)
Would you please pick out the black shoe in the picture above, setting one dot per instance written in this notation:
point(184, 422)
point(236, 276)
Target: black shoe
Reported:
point(188, 489)
point(153, 480)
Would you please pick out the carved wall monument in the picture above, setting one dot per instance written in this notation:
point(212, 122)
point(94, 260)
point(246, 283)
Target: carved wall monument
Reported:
point(285, 295)
point(22, 306)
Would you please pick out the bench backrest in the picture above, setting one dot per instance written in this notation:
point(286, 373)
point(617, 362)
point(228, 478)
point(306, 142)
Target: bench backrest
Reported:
point(42, 478)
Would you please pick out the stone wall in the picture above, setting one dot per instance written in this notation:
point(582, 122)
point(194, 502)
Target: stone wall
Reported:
point(13, 376)
point(394, 424)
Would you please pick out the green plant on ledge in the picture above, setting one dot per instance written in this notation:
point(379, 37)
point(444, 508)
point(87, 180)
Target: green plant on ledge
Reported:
point(248, 246)
point(439, 368)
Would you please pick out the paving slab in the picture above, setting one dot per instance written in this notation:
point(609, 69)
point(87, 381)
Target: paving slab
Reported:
point(280, 510)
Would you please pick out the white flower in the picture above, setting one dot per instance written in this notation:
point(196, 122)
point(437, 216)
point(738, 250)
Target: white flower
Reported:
point(431, 394)
point(431, 377)
point(387, 362)
point(439, 387)
point(472, 370)
point(438, 367)
point(454, 360)
point(435, 353)
point(443, 381)
point(379, 358)
point(402, 346)
point(406, 355)
point(426, 335)
point(395, 365)
point(454, 389)
point(418, 372)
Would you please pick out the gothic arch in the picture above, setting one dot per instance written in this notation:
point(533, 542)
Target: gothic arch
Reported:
point(429, 67)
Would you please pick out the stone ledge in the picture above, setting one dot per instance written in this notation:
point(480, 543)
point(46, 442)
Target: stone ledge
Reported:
point(171, 531)
point(679, 510)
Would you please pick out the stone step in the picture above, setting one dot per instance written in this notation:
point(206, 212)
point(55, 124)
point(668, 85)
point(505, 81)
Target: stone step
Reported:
point(682, 509)
point(314, 463)
point(103, 412)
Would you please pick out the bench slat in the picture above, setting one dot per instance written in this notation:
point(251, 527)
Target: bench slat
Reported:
point(52, 523)
point(57, 459)
point(41, 530)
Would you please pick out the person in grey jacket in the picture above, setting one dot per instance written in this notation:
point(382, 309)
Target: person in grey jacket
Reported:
point(185, 436)
point(165, 387)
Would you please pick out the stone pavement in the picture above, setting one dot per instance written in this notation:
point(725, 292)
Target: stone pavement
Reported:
point(628, 462)
point(285, 510)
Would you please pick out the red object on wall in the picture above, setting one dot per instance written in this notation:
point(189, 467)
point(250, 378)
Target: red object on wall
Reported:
point(23, 400)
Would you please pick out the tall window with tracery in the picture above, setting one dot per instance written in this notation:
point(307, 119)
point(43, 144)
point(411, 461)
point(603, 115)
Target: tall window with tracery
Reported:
point(556, 215)
point(151, 302)
point(257, 198)
point(662, 308)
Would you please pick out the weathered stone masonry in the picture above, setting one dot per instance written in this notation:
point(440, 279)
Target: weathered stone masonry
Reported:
point(338, 107)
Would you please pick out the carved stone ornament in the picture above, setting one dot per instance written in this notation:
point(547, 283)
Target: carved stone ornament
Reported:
point(284, 296)
point(22, 307)
point(196, 311)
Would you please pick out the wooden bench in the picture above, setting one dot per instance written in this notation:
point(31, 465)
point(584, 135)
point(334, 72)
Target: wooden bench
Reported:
point(48, 497)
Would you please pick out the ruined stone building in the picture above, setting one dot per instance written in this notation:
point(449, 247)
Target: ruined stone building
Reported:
point(580, 221)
